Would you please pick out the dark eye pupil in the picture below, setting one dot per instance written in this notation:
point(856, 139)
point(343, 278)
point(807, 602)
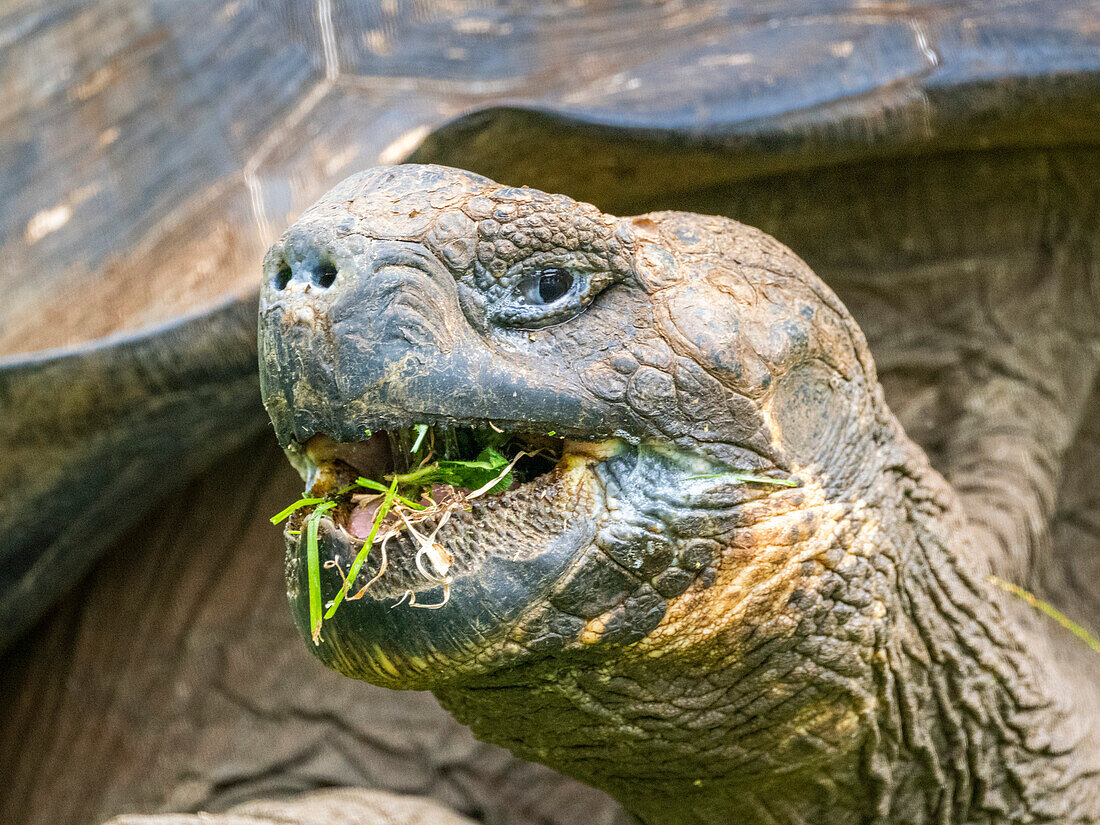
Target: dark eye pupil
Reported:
point(553, 283)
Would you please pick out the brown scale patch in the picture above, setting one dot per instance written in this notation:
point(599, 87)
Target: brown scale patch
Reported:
point(756, 575)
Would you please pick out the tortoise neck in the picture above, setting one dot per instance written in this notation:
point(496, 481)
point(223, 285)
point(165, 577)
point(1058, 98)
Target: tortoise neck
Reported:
point(965, 728)
point(951, 719)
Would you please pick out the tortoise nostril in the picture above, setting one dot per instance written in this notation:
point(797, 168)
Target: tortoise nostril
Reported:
point(282, 276)
point(325, 274)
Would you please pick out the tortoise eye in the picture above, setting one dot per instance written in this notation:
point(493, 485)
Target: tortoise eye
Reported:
point(545, 295)
point(553, 283)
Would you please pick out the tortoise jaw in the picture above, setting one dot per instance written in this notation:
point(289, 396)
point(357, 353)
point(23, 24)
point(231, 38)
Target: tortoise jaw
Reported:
point(485, 594)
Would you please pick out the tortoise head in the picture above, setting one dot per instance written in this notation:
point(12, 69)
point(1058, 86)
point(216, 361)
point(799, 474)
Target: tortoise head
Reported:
point(703, 418)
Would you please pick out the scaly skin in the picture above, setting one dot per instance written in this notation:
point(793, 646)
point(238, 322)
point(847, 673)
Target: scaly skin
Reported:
point(704, 649)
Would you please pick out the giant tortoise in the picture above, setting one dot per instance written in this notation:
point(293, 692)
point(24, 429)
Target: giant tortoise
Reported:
point(759, 583)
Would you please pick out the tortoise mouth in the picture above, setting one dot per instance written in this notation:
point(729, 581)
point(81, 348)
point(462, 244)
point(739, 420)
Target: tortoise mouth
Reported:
point(407, 555)
point(332, 465)
point(475, 559)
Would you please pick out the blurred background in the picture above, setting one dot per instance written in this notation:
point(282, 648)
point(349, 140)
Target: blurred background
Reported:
point(151, 151)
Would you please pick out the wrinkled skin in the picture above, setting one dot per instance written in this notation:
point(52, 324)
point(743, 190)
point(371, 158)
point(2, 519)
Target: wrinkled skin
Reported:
point(706, 650)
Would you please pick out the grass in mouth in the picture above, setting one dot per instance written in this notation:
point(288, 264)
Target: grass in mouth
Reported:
point(435, 488)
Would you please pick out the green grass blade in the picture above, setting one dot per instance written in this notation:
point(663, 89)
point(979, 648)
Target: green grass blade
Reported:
point(379, 488)
point(421, 431)
point(370, 484)
point(752, 479)
point(412, 505)
point(313, 569)
point(1048, 609)
point(357, 565)
point(302, 502)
